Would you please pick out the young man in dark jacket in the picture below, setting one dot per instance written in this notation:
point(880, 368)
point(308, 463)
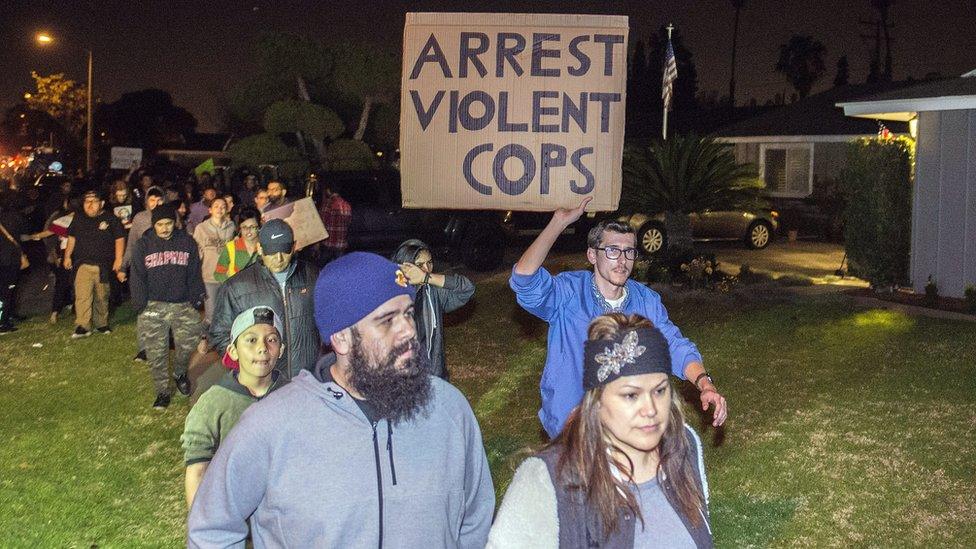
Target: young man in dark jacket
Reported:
point(167, 289)
point(279, 281)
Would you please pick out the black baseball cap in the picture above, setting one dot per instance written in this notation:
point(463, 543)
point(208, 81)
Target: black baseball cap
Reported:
point(276, 236)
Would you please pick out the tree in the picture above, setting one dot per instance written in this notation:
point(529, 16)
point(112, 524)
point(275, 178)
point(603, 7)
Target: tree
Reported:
point(146, 119)
point(356, 82)
point(22, 126)
point(267, 148)
point(683, 175)
point(801, 62)
point(843, 72)
point(640, 94)
point(367, 75)
point(884, 9)
point(61, 98)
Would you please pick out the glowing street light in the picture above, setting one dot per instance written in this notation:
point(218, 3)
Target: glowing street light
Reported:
point(45, 38)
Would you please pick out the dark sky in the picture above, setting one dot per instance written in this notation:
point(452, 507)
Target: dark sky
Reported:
point(198, 50)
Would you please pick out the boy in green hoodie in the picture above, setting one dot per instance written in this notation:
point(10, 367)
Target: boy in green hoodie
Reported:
point(252, 354)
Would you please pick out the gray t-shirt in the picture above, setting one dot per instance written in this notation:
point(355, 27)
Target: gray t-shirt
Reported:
point(662, 526)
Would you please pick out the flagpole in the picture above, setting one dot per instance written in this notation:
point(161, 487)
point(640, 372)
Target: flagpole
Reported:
point(664, 126)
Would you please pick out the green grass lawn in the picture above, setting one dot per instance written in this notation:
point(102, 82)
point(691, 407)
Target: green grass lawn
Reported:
point(847, 426)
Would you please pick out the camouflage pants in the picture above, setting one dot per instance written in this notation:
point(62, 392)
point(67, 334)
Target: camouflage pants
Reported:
point(154, 324)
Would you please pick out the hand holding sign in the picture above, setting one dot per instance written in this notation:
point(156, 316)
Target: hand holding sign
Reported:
point(568, 216)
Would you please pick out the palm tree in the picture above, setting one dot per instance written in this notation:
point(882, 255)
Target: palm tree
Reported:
point(683, 175)
point(801, 61)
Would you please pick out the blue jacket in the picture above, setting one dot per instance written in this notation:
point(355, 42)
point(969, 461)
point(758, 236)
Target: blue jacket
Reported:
point(568, 302)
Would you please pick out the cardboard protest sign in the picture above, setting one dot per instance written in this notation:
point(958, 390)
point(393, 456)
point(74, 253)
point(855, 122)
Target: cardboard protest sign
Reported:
point(303, 219)
point(512, 111)
point(125, 158)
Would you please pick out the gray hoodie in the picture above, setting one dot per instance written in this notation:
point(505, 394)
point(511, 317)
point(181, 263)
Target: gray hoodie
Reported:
point(309, 470)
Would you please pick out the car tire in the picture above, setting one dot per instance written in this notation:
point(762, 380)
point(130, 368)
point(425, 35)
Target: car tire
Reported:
point(759, 235)
point(651, 238)
point(483, 247)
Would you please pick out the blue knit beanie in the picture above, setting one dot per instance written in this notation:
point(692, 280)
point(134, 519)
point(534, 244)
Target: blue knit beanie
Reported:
point(352, 286)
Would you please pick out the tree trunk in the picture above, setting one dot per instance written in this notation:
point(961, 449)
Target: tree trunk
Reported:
point(316, 141)
point(363, 118)
point(677, 226)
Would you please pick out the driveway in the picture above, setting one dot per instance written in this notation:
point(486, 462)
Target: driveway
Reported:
point(816, 260)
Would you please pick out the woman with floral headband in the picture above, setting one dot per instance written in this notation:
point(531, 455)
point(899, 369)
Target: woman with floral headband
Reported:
point(625, 472)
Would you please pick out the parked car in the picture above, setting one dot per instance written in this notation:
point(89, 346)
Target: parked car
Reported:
point(380, 222)
point(756, 228)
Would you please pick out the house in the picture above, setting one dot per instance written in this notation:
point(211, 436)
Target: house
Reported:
point(799, 145)
point(943, 112)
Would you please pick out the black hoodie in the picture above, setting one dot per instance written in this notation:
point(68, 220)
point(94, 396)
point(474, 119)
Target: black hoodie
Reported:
point(166, 270)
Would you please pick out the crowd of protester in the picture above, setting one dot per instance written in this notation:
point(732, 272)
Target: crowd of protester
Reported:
point(332, 422)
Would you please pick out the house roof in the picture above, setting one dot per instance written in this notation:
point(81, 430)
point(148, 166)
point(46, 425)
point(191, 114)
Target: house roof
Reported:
point(816, 115)
point(905, 104)
point(200, 142)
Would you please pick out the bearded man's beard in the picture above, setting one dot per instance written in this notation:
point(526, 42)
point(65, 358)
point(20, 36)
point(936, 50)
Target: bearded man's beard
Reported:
point(397, 394)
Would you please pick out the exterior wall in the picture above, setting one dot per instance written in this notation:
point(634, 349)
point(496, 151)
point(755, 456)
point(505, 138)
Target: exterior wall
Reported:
point(828, 158)
point(944, 202)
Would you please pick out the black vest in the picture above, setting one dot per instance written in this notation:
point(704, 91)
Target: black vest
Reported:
point(579, 528)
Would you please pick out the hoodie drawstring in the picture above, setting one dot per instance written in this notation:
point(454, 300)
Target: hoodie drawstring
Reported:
point(379, 481)
point(389, 450)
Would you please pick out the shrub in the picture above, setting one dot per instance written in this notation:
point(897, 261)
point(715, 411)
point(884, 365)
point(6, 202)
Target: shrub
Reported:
point(970, 295)
point(877, 183)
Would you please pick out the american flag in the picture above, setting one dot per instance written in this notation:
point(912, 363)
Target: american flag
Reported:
point(670, 75)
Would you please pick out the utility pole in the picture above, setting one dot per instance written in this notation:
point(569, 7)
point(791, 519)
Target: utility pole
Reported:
point(89, 134)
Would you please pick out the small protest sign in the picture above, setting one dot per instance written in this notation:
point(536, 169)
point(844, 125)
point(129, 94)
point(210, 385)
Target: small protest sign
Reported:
point(126, 158)
point(303, 219)
point(512, 111)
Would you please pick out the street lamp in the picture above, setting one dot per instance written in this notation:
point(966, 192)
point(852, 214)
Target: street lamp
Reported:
point(44, 39)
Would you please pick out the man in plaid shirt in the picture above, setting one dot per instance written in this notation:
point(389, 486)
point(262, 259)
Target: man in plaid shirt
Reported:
point(336, 214)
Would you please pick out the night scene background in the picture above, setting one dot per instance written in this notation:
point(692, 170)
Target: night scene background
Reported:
point(200, 51)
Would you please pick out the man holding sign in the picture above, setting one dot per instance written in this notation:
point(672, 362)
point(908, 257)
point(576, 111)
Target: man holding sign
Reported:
point(570, 300)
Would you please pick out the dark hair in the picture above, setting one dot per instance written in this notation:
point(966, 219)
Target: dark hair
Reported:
point(154, 191)
point(247, 212)
point(408, 251)
point(596, 233)
point(585, 463)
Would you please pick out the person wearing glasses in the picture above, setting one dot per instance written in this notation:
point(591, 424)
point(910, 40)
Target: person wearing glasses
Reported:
point(436, 294)
point(569, 301)
point(243, 250)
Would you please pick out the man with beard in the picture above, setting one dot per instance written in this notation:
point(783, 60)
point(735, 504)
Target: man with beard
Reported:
point(309, 464)
point(277, 192)
point(570, 300)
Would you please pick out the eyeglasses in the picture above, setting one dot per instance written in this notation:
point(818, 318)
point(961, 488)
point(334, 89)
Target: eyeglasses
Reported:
point(249, 228)
point(613, 252)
